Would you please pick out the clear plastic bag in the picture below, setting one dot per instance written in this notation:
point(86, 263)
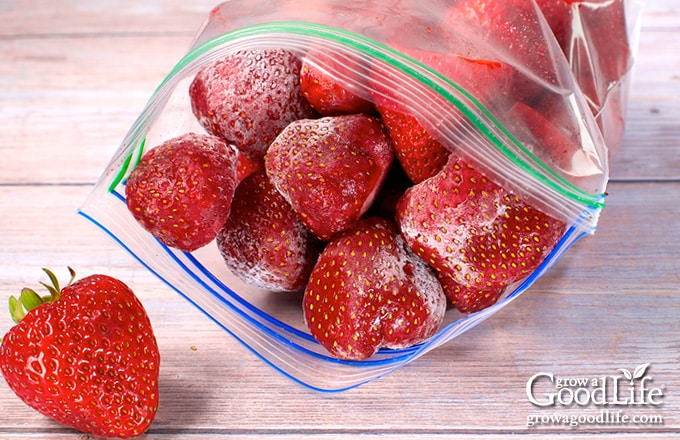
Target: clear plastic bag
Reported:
point(402, 43)
point(599, 38)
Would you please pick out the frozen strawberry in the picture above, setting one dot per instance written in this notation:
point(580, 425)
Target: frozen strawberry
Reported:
point(246, 166)
point(181, 190)
point(419, 153)
point(326, 92)
point(550, 132)
point(248, 97)
point(516, 31)
point(488, 81)
point(548, 142)
point(608, 46)
point(558, 14)
point(264, 242)
point(330, 169)
point(478, 237)
point(368, 290)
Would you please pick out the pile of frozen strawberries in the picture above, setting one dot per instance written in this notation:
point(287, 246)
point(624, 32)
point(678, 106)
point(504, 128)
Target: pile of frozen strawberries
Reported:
point(304, 184)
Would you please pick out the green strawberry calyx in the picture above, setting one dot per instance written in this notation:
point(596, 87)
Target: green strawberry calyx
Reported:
point(29, 299)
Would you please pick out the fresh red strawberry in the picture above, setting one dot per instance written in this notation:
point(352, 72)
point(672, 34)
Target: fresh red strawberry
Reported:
point(85, 356)
point(419, 153)
point(330, 169)
point(264, 242)
point(368, 290)
point(477, 236)
point(325, 92)
point(248, 97)
point(181, 191)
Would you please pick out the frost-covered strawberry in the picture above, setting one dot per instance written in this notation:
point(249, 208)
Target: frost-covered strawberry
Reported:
point(368, 290)
point(558, 15)
point(330, 169)
point(264, 242)
point(476, 235)
point(550, 132)
point(329, 95)
point(487, 80)
point(249, 96)
point(181, 190)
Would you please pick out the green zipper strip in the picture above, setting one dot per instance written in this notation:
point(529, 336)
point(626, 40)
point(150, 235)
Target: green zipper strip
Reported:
point(126, 164)
point(405, 64)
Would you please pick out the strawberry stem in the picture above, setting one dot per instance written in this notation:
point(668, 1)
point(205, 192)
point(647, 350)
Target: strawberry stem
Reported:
point(15, 309)
point(29, 300)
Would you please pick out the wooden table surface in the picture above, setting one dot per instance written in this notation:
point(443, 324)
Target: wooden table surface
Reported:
point(73, 77)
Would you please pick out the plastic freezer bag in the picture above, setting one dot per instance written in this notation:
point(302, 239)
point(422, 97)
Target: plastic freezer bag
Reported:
point(598, 38)
point(531, 131)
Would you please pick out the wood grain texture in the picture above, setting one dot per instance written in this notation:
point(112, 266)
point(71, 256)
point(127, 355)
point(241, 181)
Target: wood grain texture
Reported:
point(73, 78)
